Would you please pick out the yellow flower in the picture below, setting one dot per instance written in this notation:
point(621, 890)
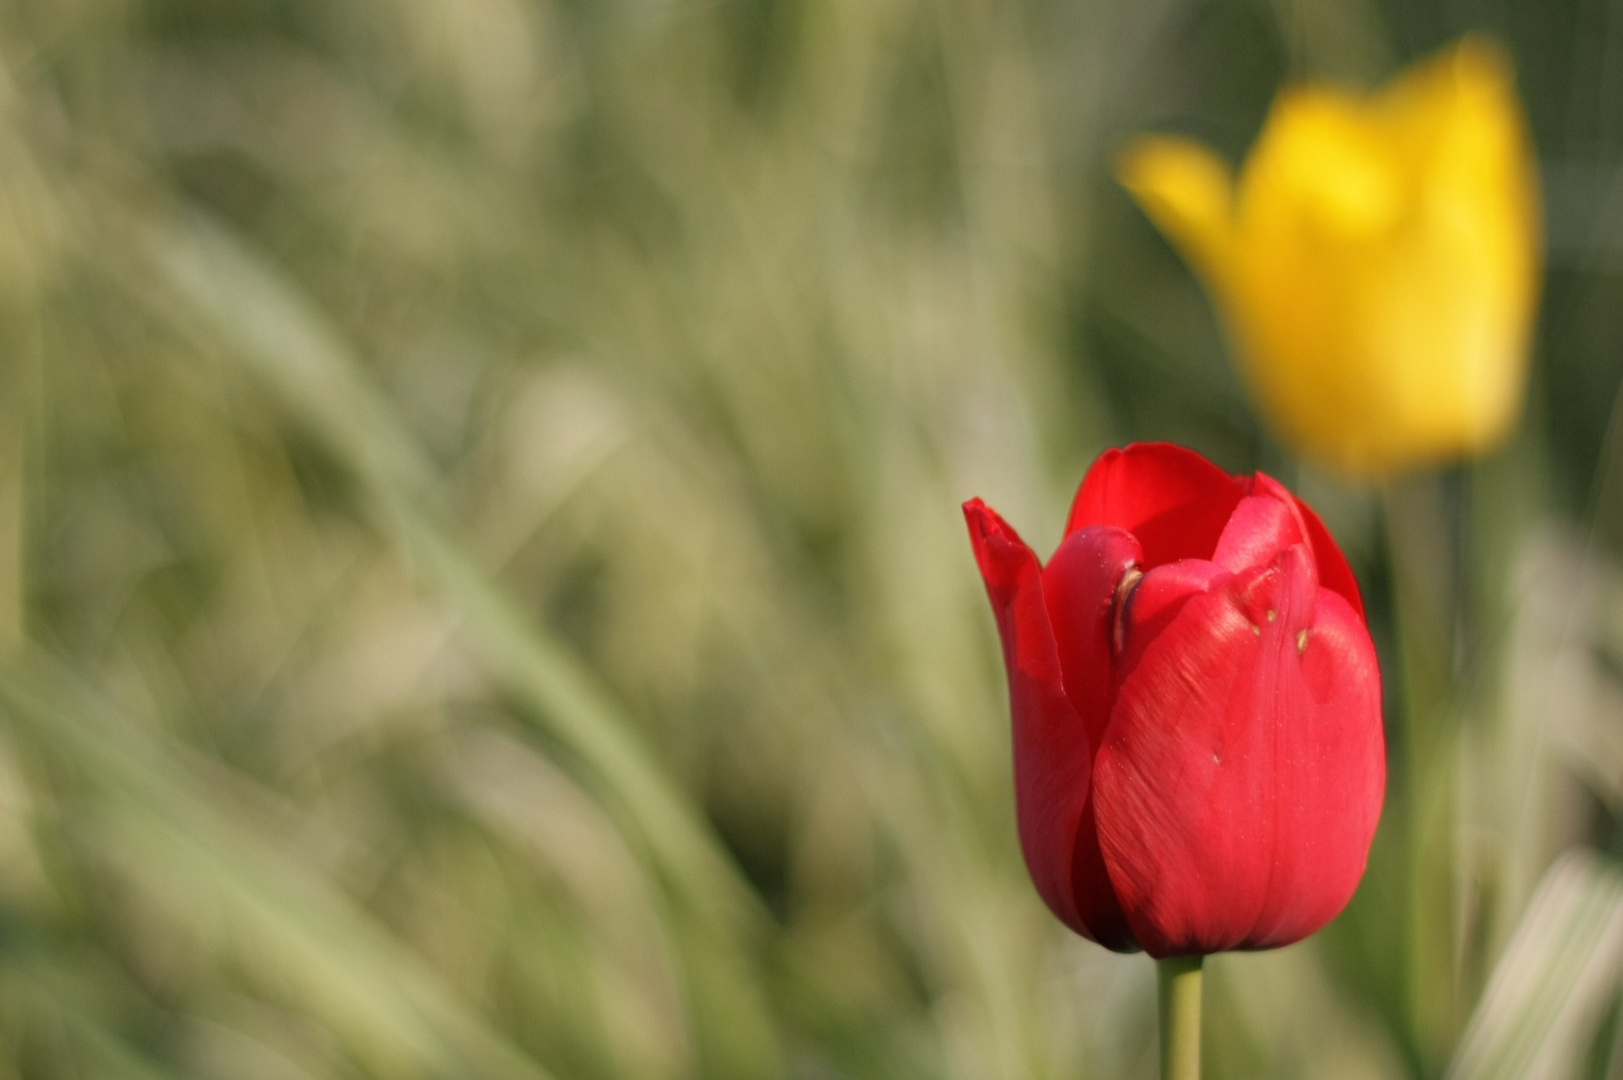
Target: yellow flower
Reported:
point(1376, 262)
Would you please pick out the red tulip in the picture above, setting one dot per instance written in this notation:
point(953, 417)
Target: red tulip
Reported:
point(1198, 754)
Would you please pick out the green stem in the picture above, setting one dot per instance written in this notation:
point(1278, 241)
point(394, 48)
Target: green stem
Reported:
point(1178, 980)
point(1421, 550)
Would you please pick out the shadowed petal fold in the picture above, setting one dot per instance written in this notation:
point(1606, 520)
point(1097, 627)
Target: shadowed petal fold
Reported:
point(1081, 584)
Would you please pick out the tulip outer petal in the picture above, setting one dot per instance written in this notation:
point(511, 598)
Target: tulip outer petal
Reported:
point(1241, 777)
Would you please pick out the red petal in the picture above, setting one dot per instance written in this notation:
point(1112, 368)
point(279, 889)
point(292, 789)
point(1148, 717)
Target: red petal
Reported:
point(1157, 601)
point(1052, 758)
point(1334, 573)
point(1241, 778)
point(1172, 499)
point(1080, 584)
point(1259, 529)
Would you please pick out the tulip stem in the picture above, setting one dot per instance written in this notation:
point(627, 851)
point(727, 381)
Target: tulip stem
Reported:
point(1178, 980)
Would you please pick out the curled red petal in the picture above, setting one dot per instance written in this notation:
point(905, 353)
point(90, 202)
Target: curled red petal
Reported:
point(1052, 758)
point(1241, 777)
point(1173, 500)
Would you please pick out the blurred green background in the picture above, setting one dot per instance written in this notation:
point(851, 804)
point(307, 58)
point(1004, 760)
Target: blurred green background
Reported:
point(482, 587)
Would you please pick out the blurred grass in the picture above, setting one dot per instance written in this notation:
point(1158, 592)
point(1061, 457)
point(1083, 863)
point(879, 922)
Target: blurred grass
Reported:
point(480, 570)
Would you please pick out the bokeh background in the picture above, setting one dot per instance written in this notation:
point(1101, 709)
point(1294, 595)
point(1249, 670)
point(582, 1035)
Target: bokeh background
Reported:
point(482, 587)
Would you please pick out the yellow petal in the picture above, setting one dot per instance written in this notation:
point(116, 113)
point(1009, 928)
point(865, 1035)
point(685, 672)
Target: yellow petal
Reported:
point(1478, 229)
point(1322, 163)
point(1188, 191)
point(1475, 73)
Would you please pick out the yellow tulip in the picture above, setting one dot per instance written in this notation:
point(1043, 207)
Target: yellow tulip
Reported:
point(1376, 262)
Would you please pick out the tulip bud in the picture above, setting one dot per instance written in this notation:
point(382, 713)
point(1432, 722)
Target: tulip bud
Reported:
point(1376, 263)
point(1198, 755)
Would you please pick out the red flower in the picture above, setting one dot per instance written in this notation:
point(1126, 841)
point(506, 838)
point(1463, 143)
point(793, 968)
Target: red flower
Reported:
point(1198, 753)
